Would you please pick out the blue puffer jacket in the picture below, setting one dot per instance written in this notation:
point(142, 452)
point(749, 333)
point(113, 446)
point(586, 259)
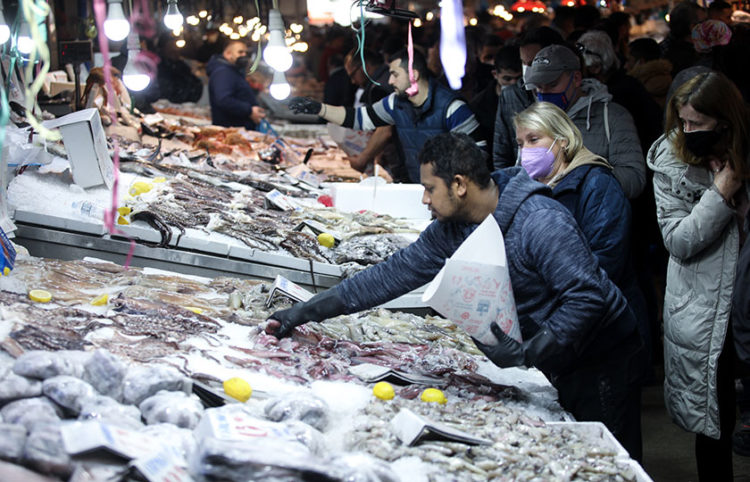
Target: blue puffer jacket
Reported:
point(556, 279)
point(417, 125)
point(594, 197)
point(232, 99)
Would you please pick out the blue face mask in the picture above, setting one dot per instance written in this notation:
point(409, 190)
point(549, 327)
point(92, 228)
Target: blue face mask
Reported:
point(559, 98)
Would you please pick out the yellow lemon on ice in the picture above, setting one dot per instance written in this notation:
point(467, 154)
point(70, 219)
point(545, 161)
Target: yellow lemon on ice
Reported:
point(194, 309)
point(122, 220)
point(433, 395)
point(6, 271)
point(160, 179)
point(40, 296)
point(383, 390)
point(100, 300)
point(139, 187)
point(124, 210)
point(238, 389)
point(326, 240)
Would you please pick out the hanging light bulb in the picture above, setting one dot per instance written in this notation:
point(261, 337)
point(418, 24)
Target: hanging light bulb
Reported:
point(4, 29)
point(116, 26)
point(173, 17)
point(24, 44)
point(132, 77)
point(279, 88)
point(277, 54)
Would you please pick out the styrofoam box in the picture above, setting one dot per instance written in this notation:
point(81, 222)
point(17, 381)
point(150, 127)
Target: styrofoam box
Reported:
point(397, 200)
point(599, 435)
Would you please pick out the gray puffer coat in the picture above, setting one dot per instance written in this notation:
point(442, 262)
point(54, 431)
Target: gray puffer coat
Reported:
point(702, 236)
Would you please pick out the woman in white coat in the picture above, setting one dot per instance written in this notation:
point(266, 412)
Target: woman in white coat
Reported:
point(700, 182)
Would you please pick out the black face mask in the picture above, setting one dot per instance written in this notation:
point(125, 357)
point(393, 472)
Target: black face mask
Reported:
point(242, 63)
point(701, 143)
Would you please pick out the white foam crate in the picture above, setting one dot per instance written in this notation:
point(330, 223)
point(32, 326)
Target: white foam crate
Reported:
point(599, 435)
point(397, 200)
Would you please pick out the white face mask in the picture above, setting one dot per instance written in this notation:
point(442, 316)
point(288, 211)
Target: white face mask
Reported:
point(524, 68)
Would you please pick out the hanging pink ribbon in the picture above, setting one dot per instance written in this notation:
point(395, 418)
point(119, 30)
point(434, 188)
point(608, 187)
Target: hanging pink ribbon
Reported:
point(413, 88)
point(110, 214)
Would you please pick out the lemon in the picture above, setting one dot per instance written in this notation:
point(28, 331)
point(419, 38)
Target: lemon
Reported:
point(383, 390)
point(160, 179)
point(124, 210)
point(433, 395)
point(122, 220)
point(41, 296)
point(6, 271)
point(194, 309)
point(326, 239)
point(139, 187)
point(238, 389)
point(100, 300)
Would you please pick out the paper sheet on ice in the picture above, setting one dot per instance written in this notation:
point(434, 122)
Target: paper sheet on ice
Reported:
point(473, 288)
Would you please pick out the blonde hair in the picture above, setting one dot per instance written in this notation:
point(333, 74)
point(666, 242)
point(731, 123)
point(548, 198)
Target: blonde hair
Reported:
point(714, 95)
point(551, 121)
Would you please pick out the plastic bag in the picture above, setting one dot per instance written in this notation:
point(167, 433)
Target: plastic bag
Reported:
point(177, 408)
point(68, 392)
point(143, 381)
point(105, 372)
point(300, 406)
point(44, 450)
point(12, 441)
point(361, 467)
point(180, 440)
point(13, 387)
point(30, 411)
point(47, 364)
point(110, 411)
point(258, 459)
point(308, 436)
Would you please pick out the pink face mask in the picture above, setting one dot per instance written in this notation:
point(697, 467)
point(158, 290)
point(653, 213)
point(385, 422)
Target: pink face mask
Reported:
point(538, 161)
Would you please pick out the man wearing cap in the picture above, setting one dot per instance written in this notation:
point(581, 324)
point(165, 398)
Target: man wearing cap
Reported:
point(607, 128)
point(515, 98)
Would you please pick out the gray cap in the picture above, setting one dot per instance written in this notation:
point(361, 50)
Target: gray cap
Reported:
point(549, 64)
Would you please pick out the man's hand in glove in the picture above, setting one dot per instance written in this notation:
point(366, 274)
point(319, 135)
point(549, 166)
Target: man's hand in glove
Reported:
point(541, 351)
point(507, 353)
point(318, 308)
point(304, 105)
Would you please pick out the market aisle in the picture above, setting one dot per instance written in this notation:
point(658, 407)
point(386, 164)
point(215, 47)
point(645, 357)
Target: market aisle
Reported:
point(667, 449)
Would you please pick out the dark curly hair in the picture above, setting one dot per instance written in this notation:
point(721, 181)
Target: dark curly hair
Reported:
point(454, 154)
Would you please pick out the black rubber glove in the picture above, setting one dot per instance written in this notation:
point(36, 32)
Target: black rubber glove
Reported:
point(318, 308)
point(304, 105)
point(541, 350)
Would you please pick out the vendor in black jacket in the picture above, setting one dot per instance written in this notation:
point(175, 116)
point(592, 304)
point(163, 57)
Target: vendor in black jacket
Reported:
point(233, 102)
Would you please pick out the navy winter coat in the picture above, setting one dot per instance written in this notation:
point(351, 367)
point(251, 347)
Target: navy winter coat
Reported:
point(232, 99)
point(556, 279)
point(594, 197)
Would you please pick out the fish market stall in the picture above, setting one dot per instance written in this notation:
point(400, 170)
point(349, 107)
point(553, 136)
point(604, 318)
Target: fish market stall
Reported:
point(107, 372)
point(204, 218)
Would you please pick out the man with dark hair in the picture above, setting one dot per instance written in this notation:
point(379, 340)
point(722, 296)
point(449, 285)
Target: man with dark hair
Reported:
point(419, 108)
point(721, 11)
point(506, 72)
point(516, 98)
point(576, 325)
point(678, 47)
point(233, 102)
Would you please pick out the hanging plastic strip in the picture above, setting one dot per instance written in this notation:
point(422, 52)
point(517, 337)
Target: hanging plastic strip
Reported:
point(110, 214)
point(32, 12)
point(452, 42)
point(413, 88)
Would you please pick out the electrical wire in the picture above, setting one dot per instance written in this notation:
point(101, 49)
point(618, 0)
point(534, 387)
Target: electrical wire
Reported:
point(361, 37)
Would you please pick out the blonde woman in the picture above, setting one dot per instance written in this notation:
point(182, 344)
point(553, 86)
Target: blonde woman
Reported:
point(552, 152)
